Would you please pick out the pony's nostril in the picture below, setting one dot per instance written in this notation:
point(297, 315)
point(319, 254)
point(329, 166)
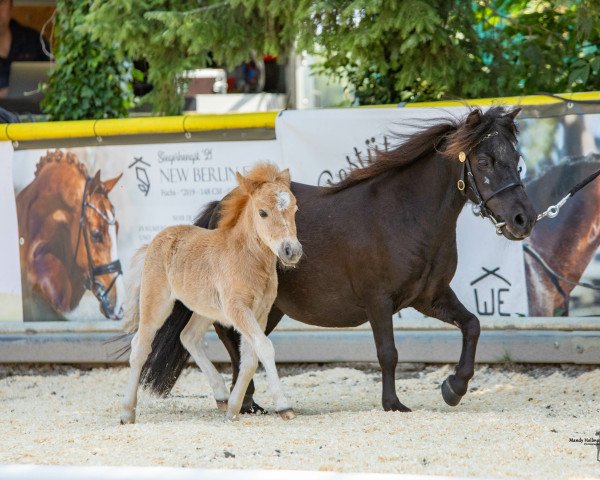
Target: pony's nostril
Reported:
point(288, 251)
point(520, 219)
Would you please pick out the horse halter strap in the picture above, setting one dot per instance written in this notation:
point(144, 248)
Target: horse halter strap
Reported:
point(467, 172)
point(90, 281)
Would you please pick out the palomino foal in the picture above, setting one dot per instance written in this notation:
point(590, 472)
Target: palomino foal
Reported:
point(227, 275)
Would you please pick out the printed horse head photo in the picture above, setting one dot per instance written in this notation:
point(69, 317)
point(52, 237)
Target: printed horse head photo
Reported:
point(68, 240)
point(560, 249)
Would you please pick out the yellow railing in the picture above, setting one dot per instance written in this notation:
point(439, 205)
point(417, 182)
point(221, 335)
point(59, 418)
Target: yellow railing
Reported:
point(230, 121)
point(523, 100)
point(135, 126)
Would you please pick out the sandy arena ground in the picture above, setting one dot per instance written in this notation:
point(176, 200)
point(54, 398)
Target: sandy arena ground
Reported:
point(515, 422)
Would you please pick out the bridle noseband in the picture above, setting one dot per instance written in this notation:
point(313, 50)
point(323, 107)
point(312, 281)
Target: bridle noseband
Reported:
point(90, 281)
point(481, 207)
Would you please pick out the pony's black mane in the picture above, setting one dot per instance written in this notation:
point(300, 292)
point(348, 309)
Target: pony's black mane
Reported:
point(448, 136)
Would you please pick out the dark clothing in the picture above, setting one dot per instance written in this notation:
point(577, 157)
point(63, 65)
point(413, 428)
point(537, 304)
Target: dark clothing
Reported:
point(25, 47)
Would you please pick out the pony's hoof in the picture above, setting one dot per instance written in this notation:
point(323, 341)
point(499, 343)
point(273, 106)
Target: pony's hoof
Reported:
point(127, 417)
point(222, 405)
point(450, 397)
point(253, 409)
point(287, 414)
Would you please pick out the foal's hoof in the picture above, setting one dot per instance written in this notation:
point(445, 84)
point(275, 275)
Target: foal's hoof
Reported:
point(450, 397)
point(287, 414)
point(231, 417)
point(222, 405)
point(127, 417)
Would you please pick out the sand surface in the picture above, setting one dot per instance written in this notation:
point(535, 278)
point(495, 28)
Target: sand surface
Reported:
point(515, 422)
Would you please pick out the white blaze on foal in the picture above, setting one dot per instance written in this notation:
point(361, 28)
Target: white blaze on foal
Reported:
point(283, 200)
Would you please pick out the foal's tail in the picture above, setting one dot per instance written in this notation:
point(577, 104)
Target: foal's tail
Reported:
point(132, 303)
point(169, 357)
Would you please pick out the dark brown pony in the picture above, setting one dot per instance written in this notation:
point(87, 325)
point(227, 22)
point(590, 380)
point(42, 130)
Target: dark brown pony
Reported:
point(68, 235)
point(384, 239)
point(565, 243)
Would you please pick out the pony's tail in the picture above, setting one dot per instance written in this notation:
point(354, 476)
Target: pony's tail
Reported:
point(169, 357)
point(132, 303)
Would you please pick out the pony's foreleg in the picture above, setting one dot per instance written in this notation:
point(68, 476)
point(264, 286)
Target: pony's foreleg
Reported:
point(154, 310)
point(192, 338)
point(448, 308)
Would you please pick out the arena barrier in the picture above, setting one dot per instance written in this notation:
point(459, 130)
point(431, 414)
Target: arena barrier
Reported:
point(161, 171)
point(30, 472)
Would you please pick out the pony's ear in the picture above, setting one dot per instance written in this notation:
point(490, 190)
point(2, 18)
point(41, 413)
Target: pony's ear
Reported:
point(109, 184)
point(513, 114)
point(473, 118)
point(247, 185)
point(285, 176)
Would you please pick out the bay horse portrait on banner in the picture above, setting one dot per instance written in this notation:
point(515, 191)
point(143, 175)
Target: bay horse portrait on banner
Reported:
point(383, 239)
point(225, 276)
point(68, 240)
point(560, 249)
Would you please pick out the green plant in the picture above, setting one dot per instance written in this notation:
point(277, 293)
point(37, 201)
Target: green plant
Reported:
point(388, 51)
point(87, 82)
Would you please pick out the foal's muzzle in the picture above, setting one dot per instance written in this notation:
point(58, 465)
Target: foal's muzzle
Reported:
point(290, 252)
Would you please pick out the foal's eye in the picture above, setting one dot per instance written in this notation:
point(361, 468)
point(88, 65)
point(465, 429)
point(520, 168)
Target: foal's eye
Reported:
point(262, 213)
point(96, 236)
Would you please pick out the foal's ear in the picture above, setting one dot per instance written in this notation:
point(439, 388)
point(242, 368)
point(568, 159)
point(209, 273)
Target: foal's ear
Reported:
point(513, 114)
point(285, 176)
point(245, 183)
point(109, 184)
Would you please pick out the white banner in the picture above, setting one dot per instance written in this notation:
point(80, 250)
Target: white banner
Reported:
point(161, 185)
point(321, 146)
point(10, 278)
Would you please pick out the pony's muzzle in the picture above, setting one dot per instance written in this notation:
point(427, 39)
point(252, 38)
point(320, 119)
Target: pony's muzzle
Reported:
point(290, 252)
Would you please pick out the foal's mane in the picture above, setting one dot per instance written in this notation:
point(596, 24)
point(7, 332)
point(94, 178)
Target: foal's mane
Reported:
point(234, 203)
point(448, 137)
point(58, 156)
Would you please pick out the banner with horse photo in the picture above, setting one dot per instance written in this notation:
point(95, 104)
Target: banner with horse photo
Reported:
point(554, 272)
point(82, 213)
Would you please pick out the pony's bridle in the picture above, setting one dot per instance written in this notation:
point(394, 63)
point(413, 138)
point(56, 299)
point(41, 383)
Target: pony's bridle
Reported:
point(481, 207)
point(90, 281)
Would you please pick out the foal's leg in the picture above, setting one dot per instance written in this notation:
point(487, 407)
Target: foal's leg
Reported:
point(380, 313)
point(154, 309)
point(251, 331)
point(248, 365)
point(192, 338)
point(447, 307)
point(231, 339)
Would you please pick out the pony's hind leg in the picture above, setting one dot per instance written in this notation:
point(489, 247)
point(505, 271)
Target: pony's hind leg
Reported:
point(192, 338)
point(154, 309)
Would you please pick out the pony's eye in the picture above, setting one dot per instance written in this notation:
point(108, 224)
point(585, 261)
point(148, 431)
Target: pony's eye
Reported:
point(483, 162)
point(262, 213)
point(96, 236)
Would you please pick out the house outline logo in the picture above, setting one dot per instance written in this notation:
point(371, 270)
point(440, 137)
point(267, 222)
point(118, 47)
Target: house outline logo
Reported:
point(492, 304)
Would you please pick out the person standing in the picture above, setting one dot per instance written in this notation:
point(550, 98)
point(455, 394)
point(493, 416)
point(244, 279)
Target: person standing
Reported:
point(17, 43)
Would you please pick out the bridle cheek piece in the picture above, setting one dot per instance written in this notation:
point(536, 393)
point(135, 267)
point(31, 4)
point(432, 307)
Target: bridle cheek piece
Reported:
point(481, 207)
point(90, 282)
